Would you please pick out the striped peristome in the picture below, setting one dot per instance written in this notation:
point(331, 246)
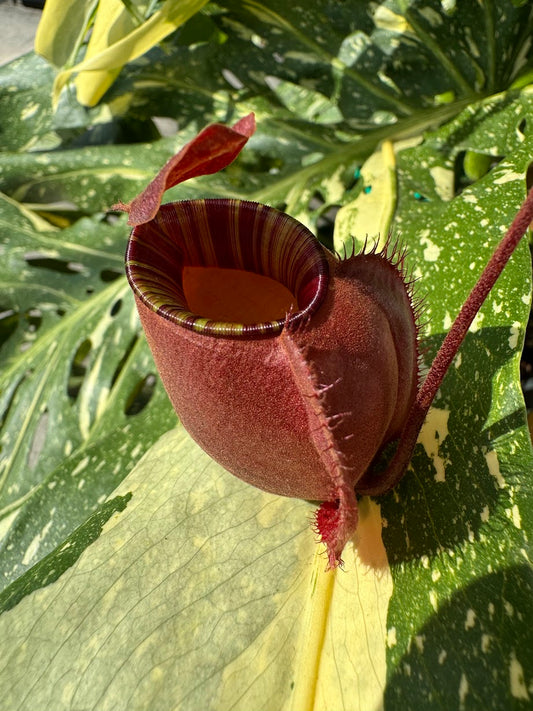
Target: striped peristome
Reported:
point(229, 234)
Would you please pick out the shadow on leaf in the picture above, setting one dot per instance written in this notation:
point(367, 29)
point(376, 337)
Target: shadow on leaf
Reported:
point(458, 477)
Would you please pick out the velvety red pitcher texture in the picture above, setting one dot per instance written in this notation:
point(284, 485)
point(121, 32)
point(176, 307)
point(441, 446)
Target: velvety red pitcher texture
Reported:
point(300, 402)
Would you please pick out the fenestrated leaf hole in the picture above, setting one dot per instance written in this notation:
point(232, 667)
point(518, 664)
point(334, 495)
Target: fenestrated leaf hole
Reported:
point(316, 201)
point(326, 218)
point(112, 218)
point(9, 320)
point(13, 397)
point(140, 395)
point(124, 360)
point(78, 369)
point(43, 261)
point(529, 177)
point(326, 224)
point(109, 275)
point(471, 166)
point(39, 439)
point(116, 307)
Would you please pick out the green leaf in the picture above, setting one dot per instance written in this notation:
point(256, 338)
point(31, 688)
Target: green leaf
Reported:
point(26, 108)
point(373, 63)
point(71, 385)
point(52, 566)
point(459, 524)
point(80, 181)
point(202, 588)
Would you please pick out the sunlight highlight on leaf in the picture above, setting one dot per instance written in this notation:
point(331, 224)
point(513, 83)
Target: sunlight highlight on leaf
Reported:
point(341, 638)
point(227, 594)
point(348, 623)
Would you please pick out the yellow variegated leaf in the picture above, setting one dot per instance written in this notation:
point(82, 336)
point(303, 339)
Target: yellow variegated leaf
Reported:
point(204, 588)
point(370, 214)
point(62, 29)
point(112, 23)
point(120, 50)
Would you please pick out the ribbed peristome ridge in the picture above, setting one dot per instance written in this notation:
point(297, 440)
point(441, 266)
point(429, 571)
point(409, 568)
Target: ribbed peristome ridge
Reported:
point(229, 234)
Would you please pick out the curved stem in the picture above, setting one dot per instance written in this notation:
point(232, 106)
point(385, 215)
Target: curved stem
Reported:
point(376, 485)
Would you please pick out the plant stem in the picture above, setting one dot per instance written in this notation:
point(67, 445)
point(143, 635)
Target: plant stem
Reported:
point(377, 484)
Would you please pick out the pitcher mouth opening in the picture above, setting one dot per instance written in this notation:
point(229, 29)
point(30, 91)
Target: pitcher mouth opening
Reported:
point(237, 244)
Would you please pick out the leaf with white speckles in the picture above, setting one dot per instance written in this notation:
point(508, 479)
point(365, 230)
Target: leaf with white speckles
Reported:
point(26, 108)
point(459, 523)
point(80, 181)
